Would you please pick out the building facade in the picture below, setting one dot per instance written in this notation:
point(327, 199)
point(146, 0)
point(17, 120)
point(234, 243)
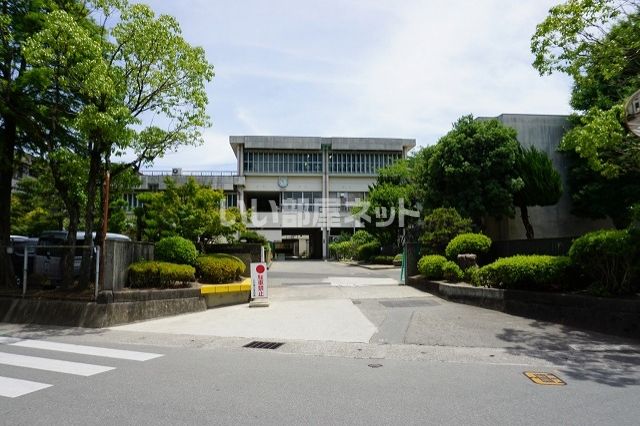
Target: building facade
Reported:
point(300, 190)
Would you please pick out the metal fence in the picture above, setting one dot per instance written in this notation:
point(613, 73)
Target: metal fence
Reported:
point(40, 267)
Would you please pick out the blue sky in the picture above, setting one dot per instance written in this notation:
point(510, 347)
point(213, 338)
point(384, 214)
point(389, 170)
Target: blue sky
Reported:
point(359, 68)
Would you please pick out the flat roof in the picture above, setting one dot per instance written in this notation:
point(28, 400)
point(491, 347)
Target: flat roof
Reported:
point(315, 143)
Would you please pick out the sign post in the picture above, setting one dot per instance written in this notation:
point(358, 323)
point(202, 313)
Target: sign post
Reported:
point(259, 286)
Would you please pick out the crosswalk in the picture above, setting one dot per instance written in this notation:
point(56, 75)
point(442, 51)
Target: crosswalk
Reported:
point(12, 387)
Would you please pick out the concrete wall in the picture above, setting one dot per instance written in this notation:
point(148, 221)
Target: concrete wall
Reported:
point(545, 133)
point(351, 184)
point(119, 255)
point(295, 183)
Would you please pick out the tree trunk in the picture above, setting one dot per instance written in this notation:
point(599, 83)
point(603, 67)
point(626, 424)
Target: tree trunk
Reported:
point(524, 212)
point(89, 219)
point(7, 152)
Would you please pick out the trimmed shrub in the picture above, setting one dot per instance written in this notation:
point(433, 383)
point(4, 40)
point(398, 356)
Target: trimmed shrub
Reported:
point(254, 237)
point(470, 273)
point(534, 272)
point(368, 250)
point(608, 259)
point(440, 227)
point(219, 268)
point(382, 260)
point(362, 237)
point(176, 250)
point(431, 265)
point(468, 244)
point(150, 274)
point(344, 250)
point(452, 272)
point(397, 260)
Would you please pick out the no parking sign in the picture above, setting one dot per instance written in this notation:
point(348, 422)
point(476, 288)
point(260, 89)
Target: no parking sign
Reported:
point(259, 285)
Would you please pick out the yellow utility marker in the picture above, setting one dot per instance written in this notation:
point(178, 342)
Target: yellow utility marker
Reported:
point(546, 379)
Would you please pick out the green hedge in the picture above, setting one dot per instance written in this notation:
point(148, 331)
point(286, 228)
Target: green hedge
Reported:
point(609, 259)
point(468, 244)
point(397, 260)
point(176, 250)
point(344, 250)
point(219, 268)
point(452, 272)
point(534, 272)
point(150, 274)
point(382, 260)
point(368, 250)
point(431, 266)
point(440, 227)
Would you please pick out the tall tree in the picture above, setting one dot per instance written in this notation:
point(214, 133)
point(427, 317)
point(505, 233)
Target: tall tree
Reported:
point(597, 43)
point(20, 113)
point(541, 184)
point(473, 169)
point(142, 88)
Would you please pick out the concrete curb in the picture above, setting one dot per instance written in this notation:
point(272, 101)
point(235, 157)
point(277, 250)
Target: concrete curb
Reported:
point(612, 316)
point(226, 294)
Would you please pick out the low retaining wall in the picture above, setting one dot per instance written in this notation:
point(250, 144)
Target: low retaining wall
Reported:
point(612, 316)
point(117, 308)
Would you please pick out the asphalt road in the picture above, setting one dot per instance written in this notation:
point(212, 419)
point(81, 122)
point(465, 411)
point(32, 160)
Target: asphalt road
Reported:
point(428, 362)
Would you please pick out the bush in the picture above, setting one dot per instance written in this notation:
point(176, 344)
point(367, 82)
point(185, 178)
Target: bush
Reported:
point(149, 274)
point(431, 266)
point(397, 260)
point(470, 273)
point(452, 272)
point(344, 250)
point(362, 237)
point(468, 244)
point(219, 268)
point(533, 272)
point(382, 260)
point(368, 250)
point(608, 259)
point(176, 250)
point(440, 227)
point(254, 237)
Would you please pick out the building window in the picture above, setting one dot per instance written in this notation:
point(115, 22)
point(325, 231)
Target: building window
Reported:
point(276, 162)
point(361, 162)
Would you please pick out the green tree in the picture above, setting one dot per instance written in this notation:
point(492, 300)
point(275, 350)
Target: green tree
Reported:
point(388, 202)
point(596, 43)
point(473, 169)
point(21, 114)
point(441, 226)
point(141, 85)
point(190, 211)
point(541, 184)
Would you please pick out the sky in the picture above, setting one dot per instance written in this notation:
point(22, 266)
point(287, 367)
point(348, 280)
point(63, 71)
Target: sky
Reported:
point(360, 68)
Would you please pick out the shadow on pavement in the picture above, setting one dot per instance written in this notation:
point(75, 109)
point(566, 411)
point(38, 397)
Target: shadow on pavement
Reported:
point(581, 355)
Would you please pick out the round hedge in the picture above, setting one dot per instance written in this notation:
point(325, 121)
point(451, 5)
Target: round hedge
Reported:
point(468, 244)
point(176, 250)
point(527, 272)
point(452, 272)
point(431, 265)
point(219, 268)
point(608, 258)
point(153, 274)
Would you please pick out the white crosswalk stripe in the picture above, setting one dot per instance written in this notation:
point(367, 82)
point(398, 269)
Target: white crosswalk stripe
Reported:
point(11, 387)
point(86, 350)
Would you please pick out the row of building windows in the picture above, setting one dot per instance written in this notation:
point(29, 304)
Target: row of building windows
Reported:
point(230, 200)
point(360, 162)
point(282, 162)
point(312, 201)
point(311, 162)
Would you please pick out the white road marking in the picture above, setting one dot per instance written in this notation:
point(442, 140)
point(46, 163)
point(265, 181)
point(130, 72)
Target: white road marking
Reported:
point(58, 366)
point(13, 388)
point(85, 350)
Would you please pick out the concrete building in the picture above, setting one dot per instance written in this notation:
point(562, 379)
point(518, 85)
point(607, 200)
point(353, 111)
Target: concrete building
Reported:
point(544, 132)
point(300, 189)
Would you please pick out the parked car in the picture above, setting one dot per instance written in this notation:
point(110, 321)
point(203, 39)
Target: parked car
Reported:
point(50, 249)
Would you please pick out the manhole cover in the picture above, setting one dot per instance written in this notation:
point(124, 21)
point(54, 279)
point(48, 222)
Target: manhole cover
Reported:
point(407, 303)
point(547, 379)
point(375, 365)
point(263, 345)
point(356, 302)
